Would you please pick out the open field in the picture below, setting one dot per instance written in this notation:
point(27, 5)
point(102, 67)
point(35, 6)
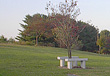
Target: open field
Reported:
point(17, 60)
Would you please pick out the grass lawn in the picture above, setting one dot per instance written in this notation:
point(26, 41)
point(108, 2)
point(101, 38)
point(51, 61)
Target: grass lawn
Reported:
point(17, 60)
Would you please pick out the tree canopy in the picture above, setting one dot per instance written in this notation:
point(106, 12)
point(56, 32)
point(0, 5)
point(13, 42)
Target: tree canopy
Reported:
point(42, 27)
point(88, 36)
point(35, 28)
point(103, 41)
point(65, 15)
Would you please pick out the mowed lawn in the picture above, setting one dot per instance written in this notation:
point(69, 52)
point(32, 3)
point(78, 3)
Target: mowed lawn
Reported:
point(17, 60)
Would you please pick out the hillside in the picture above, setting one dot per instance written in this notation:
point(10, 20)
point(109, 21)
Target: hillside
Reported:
point(17, 60)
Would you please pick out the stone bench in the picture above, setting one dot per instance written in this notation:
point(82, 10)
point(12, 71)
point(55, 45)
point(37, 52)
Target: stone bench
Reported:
point(62, 60)
point(83, 63)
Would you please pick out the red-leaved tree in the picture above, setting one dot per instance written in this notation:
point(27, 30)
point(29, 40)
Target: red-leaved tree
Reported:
point(64, 20)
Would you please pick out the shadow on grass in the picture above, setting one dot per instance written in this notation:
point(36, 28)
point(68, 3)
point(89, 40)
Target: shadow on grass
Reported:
point(74, 67)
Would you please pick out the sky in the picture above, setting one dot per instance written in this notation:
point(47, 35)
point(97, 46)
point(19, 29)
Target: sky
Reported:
point(12, 12)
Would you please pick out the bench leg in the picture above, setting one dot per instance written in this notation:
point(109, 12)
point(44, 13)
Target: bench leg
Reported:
point(62, 63)
point(74, 63)
point(69, 65)
point(83, 63)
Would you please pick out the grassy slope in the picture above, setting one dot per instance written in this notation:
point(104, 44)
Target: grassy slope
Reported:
point(16, 60)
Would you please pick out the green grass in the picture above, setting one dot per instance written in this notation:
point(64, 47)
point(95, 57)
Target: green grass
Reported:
point(17, 60)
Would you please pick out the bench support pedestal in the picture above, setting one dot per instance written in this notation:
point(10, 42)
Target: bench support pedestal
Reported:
point(83, 64)
point(62, 63)
point(69, 65)
point(74, 63)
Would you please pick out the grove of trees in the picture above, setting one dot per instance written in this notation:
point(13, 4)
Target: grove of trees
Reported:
point(5, 40)
point(61, 29)
point(39, 30)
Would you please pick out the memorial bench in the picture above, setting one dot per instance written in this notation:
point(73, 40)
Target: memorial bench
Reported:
point(82, 60)
point(62, 60)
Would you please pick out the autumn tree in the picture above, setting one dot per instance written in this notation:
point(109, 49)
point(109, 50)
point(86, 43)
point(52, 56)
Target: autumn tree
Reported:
point(103, 40)
point(65, 15)
point(107, 44)
point(34, 28)
point(41, 27)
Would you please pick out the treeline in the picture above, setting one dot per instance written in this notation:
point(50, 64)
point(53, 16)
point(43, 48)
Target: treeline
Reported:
point(39, 30)
point(5, 40)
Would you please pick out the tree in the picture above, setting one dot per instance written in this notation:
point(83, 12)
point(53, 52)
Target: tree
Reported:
point(11, 40)
point(3, 39)
point(23, 33)
point(88, 36)
point(35, 28)
point(107, 43)
point(64, 16)
point(103, 39)
point(40, 27)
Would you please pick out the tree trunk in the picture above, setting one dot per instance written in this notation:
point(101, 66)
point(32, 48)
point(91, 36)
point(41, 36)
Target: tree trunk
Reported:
point(60, 43)
point(36, 40)
point(100, 49)
point(69, 52)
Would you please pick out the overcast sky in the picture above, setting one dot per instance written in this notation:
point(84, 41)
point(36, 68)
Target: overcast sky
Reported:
point(12, 12)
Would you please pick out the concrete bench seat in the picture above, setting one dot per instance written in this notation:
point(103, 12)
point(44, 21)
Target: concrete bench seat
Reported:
point(62, 60)
point(83, 63)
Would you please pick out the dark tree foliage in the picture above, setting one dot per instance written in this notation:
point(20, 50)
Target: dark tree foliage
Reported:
point(88, 37)
point(107, 44)
point(3, 39)
point(23, 33)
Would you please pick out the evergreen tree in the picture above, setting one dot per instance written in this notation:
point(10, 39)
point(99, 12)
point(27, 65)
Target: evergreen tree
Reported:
point(36, 28)
point(88, 36)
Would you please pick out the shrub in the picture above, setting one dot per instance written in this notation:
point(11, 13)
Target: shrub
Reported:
point(26, 42)
point(105, 51)
point(46, 44)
